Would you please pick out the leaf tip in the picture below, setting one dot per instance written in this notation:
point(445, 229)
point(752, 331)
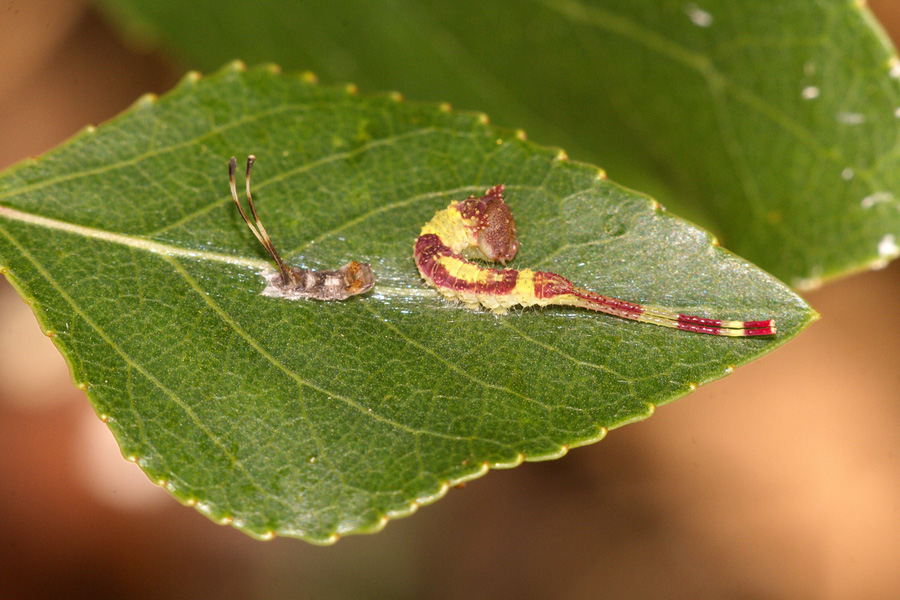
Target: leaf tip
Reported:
point(396, 513)
point(237, 66)
point(396, 96)
point(192, 77)
point(145, 101)
point(204, 508)
point(351, 89)
point(520, 135)
point(561, 155)
point(517, 460)
point(445, 107)
point(384, 520)
point(274, 69)
point(483, 119)
point(309, 77)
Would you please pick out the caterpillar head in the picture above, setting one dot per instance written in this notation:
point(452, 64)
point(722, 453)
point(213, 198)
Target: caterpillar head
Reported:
point(358, 277)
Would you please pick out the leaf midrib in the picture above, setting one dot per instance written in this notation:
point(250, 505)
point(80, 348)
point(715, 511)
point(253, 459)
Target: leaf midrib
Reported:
point(169, 253)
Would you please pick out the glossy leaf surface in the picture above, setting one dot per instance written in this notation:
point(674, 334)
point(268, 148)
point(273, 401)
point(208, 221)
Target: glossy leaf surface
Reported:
point(316, 419)
point(773, 123)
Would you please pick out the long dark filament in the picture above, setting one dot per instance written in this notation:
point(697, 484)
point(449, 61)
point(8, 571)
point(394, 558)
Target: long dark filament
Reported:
point(259, 231)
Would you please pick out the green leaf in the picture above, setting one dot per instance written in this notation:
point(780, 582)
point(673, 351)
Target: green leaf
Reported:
point(316, 419)
point(775, 124)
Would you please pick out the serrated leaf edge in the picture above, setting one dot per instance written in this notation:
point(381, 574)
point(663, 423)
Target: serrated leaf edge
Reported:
point(222, 517)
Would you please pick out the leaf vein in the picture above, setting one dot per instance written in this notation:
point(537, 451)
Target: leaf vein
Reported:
point(305, 168)
point(148, 154)
point(451, 365)
point(128, 360)
point(284, 369)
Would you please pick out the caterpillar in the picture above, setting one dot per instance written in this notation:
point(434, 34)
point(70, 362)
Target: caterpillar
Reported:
point(293, 283)
point(484, 228)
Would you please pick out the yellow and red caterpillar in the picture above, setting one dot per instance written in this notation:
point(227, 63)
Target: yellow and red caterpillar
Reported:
point(484, 228)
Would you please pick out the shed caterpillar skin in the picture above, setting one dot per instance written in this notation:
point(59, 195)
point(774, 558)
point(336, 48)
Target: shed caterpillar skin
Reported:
point(293, 283)
point(484, 228)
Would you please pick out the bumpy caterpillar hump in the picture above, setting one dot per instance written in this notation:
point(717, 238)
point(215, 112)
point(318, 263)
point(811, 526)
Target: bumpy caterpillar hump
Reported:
point(497, 229)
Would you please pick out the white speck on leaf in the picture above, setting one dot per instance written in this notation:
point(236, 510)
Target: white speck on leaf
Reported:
point(876, 198)
point(897, 112)
point(848, 118)
point(807, 283)
point(810, 92)
point(895, 68)
point(887, 247)
point(847, 174)
point(698, 16)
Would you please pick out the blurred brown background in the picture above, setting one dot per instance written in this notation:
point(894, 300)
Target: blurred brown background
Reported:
point(781, 481)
